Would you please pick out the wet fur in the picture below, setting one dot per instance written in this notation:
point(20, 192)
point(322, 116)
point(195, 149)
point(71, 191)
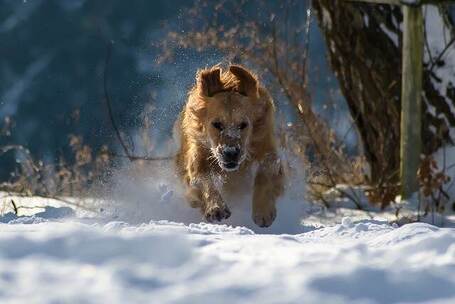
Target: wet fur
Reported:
point(233, 94)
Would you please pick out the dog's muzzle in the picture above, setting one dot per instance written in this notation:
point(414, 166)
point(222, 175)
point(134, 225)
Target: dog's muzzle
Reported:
point(230, 158)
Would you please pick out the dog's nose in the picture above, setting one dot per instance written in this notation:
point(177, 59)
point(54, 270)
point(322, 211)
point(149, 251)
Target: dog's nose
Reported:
point(231, 154)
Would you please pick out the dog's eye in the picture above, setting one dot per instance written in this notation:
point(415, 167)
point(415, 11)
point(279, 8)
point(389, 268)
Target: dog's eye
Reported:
point(243, 125)
point(217, 125)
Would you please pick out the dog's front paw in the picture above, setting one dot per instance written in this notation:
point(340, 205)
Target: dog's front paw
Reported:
point(217, 213)
point(264, 216)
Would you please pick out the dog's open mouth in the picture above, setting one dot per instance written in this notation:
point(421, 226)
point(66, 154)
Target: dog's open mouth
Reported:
point(229, 166)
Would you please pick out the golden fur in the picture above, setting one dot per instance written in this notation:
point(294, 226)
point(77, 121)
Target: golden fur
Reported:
point(226, 126)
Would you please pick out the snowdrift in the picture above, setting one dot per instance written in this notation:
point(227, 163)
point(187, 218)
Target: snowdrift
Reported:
point(48, 258)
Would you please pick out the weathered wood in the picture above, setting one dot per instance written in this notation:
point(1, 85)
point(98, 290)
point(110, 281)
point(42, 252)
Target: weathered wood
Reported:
point(411, 98)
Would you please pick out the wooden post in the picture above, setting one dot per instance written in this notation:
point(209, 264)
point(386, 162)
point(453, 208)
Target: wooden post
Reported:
point(411, 89)
point(411, 98)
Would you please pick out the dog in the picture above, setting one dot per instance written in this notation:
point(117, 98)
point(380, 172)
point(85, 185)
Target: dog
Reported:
point(226, 131)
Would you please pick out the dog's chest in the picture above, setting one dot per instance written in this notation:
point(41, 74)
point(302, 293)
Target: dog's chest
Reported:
point(237, 183)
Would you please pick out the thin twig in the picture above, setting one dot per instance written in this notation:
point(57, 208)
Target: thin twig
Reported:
point(53, 197)
point(14, 207)
point(438, 59)
point(354, 198)
point(351, 127)
point(427, 45)
point(309, 128)
point(108, 103)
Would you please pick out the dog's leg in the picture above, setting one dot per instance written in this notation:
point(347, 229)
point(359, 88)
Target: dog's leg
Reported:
point(194, 196)
point(268, 185)
point(214, 208)
point(204, 195)
point(201, 190)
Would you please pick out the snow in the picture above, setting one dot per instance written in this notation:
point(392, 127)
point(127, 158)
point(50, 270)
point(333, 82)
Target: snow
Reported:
point(157, 196)
point(438, 36)
point(445, 158)
point(392, 35)
point(147, 246)
point(326, 19)
point(63, 255)
point(366, 20)
point(410, 2)
point(142, 243)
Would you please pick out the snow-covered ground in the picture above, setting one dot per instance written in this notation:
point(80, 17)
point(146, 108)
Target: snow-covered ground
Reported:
point(61, 255)
point(143, 244)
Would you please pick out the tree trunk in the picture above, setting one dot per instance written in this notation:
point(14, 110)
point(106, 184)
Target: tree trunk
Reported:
point(364, 50)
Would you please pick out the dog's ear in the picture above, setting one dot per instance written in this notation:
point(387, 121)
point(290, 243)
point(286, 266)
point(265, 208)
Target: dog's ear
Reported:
point(209, 82)
point(248, 84)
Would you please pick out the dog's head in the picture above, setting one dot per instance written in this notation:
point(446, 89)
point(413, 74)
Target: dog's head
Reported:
point(229, 101)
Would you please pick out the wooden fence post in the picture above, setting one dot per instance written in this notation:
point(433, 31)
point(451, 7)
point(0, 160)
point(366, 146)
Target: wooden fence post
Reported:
point(411, 89)
point(411, 98)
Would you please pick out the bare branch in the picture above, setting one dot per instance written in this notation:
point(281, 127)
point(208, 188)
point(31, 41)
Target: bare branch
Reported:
point(107, 101)
point(441, 55)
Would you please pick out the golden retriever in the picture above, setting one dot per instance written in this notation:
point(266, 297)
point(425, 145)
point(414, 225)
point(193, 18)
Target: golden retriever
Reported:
point(227, 131)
